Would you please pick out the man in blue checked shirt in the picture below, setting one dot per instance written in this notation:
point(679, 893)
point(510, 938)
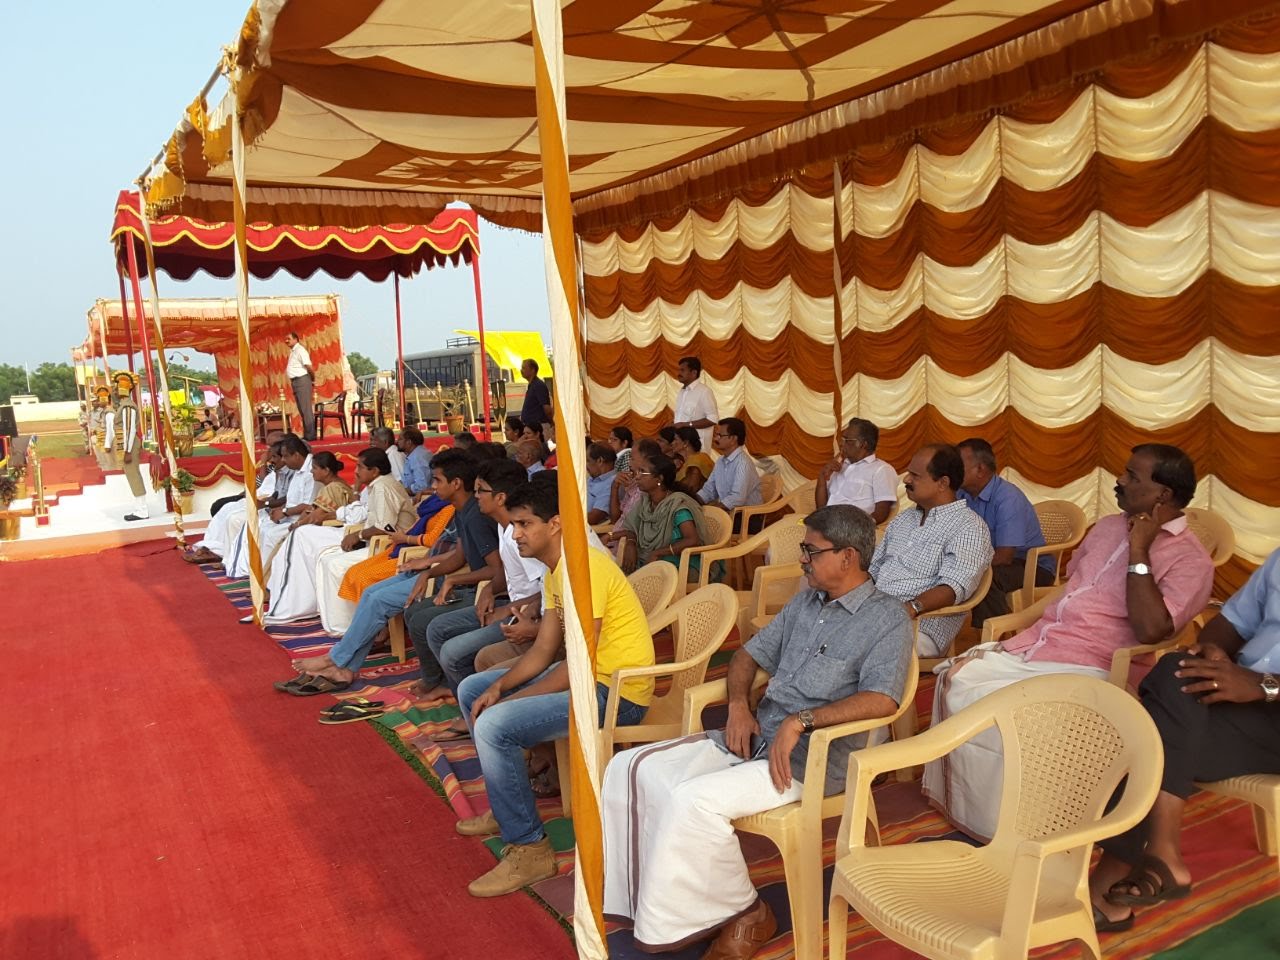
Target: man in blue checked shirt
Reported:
point(416, 476)
point(734, 481)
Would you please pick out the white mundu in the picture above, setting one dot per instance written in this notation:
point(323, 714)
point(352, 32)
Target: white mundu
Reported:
point(270, 534)
point(226, 525)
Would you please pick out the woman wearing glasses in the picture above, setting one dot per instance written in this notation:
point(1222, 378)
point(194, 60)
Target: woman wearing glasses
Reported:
point(664, 521)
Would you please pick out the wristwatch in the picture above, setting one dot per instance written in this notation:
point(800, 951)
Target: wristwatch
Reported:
point(1141, 569)
point(1270, 688)
point(806, 719)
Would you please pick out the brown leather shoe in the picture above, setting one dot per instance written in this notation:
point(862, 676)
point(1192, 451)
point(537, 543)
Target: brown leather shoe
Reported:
point(744, 936)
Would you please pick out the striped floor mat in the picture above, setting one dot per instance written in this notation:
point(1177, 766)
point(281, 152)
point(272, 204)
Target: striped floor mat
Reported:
point(1231, 875)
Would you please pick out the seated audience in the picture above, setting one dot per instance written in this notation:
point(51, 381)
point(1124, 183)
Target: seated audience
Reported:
point(465, 441)
point(934, 555)
point(221, 534)
point(275, 521)
point(600, 477)
point(839, 651)
point(456, 637)
point(694, 465)
point(385, 440)
point(858, 476)
point(1012, 522)
point(734, 481)
point(529, 456)
point(626, 494)
point(666, 436)
point(620, 440)
point(512, 710)
point(416, 475)
point(666, 519)
point(295, 582)
point(512, 430)
point(1138, 577)
point(1215, 706)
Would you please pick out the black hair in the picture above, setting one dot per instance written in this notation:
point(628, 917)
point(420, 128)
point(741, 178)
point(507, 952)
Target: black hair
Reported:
point(464, 438)
point(693, 363)
point(648, 447)
point(664, 469)
point(327, 461)
point(413, 435)
point(600, 451)
point(540, 497)
point(667, 433)
point(691, 436)
point(533, 363)
point(292, 443)
point(502, 475)
point(1172, 468)
point(736, 428)
point(535, 428)
point(868, 431)
point(375, 459)
point(514, 424)
point(456, 465)
point(946, 462)
point(623, 434)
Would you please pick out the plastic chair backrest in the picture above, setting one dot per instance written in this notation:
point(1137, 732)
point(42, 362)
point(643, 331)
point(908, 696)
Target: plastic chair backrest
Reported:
point(704, 618)
point(655, 585)
point(784, 540)
point(719, 526)
point(1213, 531)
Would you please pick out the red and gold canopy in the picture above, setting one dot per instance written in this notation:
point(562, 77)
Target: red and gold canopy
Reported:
point(184, 245)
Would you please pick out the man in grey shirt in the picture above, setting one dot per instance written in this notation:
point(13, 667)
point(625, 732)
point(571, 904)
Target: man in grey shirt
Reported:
point(839, 651)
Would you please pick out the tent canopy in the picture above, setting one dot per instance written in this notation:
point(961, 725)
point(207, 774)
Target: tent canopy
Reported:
point(209, 326)
point(393, 108)
point(184, 245)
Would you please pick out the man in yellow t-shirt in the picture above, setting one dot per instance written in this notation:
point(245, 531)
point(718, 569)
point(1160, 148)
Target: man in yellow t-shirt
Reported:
point(511, 710)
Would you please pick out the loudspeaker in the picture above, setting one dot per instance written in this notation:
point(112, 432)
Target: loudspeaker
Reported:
point(8, 424)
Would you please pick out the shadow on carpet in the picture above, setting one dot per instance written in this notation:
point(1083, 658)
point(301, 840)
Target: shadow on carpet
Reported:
point(1231, 875)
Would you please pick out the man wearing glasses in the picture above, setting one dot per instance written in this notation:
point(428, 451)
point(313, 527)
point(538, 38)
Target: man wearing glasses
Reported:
point(857, 476)
point(734, 481)
point(839, 651)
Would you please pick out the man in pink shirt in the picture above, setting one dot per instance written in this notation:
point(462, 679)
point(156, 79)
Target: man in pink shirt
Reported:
point(1138, 577)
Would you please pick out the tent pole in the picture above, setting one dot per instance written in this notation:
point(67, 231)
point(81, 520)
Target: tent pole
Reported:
point(124, 314)
point(399, 350)
point(484, 355)
point(146, 349)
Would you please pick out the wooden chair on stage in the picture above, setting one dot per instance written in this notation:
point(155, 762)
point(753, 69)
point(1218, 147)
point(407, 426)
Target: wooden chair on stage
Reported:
point(335, 409)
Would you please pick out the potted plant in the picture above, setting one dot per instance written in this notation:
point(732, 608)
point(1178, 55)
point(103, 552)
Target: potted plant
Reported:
point(185, 420)
point(9, 522)
point(183, 486)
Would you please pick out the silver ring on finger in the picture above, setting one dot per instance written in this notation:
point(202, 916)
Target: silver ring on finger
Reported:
point(1215, 684)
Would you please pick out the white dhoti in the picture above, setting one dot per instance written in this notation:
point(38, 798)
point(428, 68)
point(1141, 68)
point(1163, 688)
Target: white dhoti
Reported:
point(331, 566)
point(224, 528)
point(966, 784)
point(270, 536)
point(293, 573)
point(672, 862)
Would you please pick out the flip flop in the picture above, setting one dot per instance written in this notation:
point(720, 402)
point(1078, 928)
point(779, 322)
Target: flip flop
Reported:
point(284, 685)
point(1103, 924)
point(317, 685)
point(1152, 880)
point(350, 713)
point(358, 701)
point(449, 734)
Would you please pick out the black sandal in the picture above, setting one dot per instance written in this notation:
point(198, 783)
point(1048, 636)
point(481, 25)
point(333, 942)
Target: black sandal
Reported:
point(317, 685)
point(1153, 882)
point(284, 686)
point(1104, 924)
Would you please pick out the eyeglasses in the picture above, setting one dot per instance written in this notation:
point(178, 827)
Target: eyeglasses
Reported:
point(850, 440)
point(480, 490)
point(644, 473)
point(809, 552)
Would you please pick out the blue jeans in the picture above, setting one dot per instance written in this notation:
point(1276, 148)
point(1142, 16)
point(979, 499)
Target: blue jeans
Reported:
point(419, 617)
point(508, 728)
point(455, 638)
point(378, 604)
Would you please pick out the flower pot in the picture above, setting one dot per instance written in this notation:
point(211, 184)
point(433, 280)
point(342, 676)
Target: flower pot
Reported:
point(10, 526)
point(184, 502)
point(22, 492)
point(184, 444)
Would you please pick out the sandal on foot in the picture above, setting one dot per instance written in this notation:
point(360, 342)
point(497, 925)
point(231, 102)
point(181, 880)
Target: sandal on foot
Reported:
point(545, 783)
point(1104, 924)
point(351, 712)
point(317, 685)
point(1153, 882)
point(451, 733)
point(284, 685)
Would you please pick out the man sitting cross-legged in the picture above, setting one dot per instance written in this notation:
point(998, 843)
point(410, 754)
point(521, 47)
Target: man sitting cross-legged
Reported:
point(226, 524)
point(455, 638)
point(839, 651)
point(275, 522)
point(1216, 706)
point(453, 474)
point(512, 710)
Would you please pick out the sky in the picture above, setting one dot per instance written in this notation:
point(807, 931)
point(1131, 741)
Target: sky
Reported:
point(94, 90)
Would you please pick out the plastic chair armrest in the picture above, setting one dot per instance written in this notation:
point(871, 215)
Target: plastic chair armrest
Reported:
point(697, 699)
point(378, 543)
point(996, 627)
point(766, 575)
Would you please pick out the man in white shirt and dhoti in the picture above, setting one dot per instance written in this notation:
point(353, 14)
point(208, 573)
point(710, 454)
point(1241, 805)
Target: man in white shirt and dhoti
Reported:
point(274, 523)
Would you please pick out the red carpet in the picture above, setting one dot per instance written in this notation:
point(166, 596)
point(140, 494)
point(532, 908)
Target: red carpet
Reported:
point(161, 800)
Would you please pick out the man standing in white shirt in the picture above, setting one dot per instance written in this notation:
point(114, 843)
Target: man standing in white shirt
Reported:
point(858, 476)
point(302, 378)
point(695, 403)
